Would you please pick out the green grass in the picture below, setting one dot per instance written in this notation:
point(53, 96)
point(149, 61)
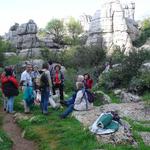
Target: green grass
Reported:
point(5, 141)
point(52, 133)
point(146, 98)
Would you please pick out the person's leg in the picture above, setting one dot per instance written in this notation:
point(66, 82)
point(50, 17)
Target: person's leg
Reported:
point(42, 100)
point(53, 89)
point(10, 104)
point(46, 99)
point(68, 111)
point(26, 107)
point(61, 87)
point(4, 102)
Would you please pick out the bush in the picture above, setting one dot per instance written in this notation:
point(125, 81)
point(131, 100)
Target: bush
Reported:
point(128, 68)
point(141, 83)
point(145, 33)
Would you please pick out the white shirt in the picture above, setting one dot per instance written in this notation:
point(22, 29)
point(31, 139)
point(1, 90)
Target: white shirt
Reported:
point(26, 77)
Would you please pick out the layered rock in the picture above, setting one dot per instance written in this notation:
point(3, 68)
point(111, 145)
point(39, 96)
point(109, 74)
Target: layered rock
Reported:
point(113, 25)
point(24, 37)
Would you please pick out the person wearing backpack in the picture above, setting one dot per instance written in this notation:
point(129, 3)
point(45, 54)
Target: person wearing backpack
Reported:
point(45, 88)
point(9, 88)
point(58, 81)
point(81, 102)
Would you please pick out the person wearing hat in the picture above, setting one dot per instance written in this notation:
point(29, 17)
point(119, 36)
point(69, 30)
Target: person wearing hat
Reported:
point(9, 88)
point(58, 81)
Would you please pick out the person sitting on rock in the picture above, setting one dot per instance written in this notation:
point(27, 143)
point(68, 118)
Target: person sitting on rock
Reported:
point(88, 82)
point(81, 102)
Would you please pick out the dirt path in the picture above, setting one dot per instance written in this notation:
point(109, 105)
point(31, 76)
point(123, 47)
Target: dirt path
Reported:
point(11, 128)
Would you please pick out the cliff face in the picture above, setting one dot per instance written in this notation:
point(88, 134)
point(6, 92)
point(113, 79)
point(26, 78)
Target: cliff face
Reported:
point(113, 25)
point(24, 36)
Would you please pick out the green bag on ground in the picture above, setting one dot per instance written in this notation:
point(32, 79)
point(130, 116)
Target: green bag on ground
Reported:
point(105, 120)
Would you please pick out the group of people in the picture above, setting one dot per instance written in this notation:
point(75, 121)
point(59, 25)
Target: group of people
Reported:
point(45, 81)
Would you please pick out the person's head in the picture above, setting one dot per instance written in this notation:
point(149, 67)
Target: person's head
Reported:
point(28, 67)
point(86, 76)
point(45, 66)
point(57, 67)
point(8, 71)
point(79, 85)
point(35, 67)
point(80, 78)
point(50, 62)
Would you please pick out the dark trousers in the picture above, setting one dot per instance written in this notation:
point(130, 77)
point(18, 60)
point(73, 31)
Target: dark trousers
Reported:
point(61, 89)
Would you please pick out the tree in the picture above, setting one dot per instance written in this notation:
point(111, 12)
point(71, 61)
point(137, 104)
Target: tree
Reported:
point(56, 28)
point(145, 33)
point(2, 49)
point(75, 29)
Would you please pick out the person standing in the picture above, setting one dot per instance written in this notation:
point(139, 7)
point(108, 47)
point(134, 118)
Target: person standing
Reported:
point(58, 81)
point(45, 87)
point(9, 88)
point(26, 83)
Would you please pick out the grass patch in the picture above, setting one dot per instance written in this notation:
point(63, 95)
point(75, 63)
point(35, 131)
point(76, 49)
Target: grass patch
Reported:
point(5, 141)
point(138, 125)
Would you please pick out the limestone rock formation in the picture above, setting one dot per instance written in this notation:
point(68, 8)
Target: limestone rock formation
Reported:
point(134, 111)
point(24, 37)
point(113, 25)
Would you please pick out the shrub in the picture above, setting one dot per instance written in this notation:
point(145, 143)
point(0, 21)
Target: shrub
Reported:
point(128, 68)
point(141, 83)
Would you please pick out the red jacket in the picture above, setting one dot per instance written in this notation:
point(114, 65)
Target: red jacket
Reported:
point(88, 83)
point(5, 79)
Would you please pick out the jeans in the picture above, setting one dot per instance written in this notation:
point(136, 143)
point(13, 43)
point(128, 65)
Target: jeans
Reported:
point(68, 111)
point(4, 102)
point(44, 99)
point(10, 104)
point(71, 100)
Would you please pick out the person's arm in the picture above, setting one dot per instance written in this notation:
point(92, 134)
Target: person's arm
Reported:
point(49, 78)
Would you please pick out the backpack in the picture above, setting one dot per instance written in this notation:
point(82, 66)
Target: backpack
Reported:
point(10, 89)
point(90, 96)
point(44, 80)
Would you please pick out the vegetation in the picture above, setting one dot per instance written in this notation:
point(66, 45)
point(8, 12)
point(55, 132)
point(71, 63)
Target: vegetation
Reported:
point(75, 29)
point(56, 28)
point(128, 67)
point(145, 33)
point(5, 142)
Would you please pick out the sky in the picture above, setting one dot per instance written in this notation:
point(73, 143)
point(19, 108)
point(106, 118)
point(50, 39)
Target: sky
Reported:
point(42, 11)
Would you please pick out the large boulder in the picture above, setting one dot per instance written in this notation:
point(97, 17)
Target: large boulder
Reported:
point(30, 53)
point(113, 25)
point(24, 36)
point(27, 28)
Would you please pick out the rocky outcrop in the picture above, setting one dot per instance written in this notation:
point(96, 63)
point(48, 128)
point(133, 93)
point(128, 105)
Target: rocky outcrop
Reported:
point(134, 111)
point(24, 37)
point(113, 26)
point(146, 137)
